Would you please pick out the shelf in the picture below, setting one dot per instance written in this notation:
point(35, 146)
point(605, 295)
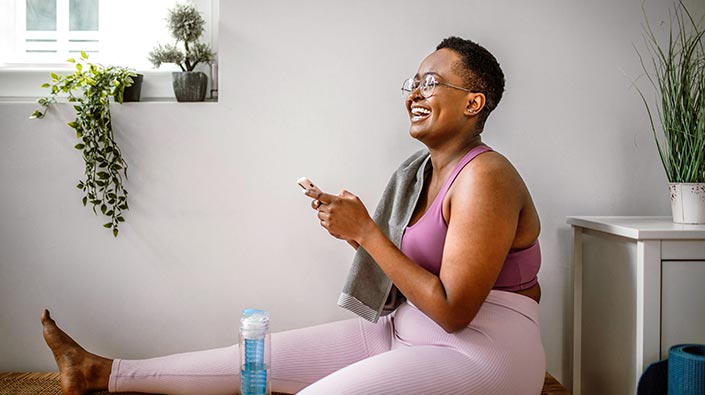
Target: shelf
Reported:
point(640, 228)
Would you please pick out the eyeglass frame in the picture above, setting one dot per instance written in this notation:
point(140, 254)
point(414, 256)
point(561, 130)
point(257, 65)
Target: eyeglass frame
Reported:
point(406, 93)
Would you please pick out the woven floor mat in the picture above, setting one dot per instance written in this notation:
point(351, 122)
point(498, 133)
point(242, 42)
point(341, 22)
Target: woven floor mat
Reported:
point(48, 384)
point(34, 384)
point(42, 384)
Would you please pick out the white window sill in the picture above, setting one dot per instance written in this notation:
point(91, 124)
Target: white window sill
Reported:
point(24, 85)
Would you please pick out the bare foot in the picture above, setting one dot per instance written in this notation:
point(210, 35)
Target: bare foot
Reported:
point(81, 372)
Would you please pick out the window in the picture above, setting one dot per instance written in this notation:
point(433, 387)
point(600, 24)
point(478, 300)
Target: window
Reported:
point(47, 32)
point(54, 29)
point(37, 36)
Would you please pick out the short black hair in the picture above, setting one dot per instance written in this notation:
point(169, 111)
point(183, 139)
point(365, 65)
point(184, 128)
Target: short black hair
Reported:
point(481, 71)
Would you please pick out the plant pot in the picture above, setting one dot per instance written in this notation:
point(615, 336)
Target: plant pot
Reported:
point(133, 92)
point(688, 202)
point(189, 85)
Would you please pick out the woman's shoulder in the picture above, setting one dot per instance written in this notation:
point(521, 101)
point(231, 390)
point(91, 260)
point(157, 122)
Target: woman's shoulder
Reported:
point(490, 163)
point(490, 171)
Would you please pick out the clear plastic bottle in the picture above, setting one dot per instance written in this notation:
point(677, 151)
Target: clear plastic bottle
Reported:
point(255, 352)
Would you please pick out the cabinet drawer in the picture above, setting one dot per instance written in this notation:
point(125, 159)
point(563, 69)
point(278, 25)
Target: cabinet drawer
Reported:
point(683, 249)
point(682, 301)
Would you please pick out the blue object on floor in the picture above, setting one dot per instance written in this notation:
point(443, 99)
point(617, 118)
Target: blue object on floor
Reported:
point(686, 369)
point(683, 373)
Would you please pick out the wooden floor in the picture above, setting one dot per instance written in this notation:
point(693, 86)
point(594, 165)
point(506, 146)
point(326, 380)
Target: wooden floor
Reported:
point(48, 384)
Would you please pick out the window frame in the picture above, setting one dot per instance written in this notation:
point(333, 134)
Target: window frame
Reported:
point(21, 81)
point(62, 37)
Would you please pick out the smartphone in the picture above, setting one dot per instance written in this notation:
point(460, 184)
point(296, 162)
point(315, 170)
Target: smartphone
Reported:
point(308, 185)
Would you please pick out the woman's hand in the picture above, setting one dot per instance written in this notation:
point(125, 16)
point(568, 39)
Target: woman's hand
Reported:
point(344, 216)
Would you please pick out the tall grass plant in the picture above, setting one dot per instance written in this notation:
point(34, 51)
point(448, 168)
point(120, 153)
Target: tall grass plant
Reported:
point(676, 70)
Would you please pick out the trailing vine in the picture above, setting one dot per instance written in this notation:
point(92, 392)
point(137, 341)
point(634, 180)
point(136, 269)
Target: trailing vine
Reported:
point(91, 87)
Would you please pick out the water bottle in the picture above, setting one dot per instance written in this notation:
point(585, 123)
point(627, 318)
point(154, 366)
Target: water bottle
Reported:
point(255, 352)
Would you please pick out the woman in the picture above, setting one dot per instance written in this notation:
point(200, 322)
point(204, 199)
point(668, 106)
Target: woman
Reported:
point(467, 267)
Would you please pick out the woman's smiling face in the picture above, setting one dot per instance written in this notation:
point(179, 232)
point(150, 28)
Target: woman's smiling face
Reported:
point(446, 110)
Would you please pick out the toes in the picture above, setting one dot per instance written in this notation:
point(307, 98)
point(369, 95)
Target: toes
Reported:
point(46, 317)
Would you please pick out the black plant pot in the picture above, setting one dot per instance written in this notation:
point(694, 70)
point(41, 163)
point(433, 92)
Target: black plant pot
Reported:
point(189, 85)
point(133, 92)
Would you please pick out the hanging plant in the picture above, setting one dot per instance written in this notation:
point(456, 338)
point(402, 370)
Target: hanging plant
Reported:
point(91, 87)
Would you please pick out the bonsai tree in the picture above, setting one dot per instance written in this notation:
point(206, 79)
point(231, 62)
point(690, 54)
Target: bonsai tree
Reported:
point(91, 86)
point(676, 70)
point(186, 26)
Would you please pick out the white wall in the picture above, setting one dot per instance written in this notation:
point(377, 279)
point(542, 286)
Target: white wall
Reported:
point(309, 88)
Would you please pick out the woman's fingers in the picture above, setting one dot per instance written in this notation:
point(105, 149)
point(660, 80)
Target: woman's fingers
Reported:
point(324, 198)
point(341, 215)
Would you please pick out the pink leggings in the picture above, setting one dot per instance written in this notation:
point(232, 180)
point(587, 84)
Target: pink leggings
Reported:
point(500, 352)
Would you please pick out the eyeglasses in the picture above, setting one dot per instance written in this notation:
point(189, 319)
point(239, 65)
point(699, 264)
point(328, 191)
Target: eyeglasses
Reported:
point(426, 86)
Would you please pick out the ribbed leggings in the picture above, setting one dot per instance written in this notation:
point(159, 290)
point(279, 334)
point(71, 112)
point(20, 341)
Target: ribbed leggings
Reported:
point(405, 353)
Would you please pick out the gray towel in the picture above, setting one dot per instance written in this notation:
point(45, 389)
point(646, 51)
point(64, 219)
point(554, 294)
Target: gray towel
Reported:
point(368, 292)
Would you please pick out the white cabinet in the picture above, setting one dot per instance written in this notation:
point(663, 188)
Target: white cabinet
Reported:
point(639, 288)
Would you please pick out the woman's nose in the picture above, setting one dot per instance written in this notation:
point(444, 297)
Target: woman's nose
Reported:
point(415, 94)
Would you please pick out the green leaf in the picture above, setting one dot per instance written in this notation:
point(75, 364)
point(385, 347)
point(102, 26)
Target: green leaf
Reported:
point(115, 232)
point(84, 55)
point(79, 146)
point(110, 213)
point(72, 124)
point(84, 200)
point(36, 115)
point(79, 67)
point(108, 225)
point(54, 76)
point(103, 175)
point(103, 208)
point(79, 185)
point(120, 218)
point(71, 60)
point(45, 85)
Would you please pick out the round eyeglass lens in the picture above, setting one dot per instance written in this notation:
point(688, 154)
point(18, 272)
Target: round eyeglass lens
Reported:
point(408, 86)
point(427, 86)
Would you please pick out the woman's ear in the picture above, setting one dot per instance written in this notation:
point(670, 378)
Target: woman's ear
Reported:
point(476, 102)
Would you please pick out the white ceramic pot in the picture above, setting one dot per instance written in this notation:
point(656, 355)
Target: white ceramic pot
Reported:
point(688, 202)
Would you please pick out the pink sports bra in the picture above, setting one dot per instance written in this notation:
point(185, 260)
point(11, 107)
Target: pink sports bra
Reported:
point(423, 241)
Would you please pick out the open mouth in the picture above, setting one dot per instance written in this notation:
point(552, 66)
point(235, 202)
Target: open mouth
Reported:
point(419, 113)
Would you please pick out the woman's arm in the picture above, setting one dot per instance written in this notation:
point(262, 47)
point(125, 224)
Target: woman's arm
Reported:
point(485, 202)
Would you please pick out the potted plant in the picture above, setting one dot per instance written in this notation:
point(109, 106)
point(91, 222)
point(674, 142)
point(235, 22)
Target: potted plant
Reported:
point(186, 25)
point(91, 87)
point(133, 92)
point(677, 72)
